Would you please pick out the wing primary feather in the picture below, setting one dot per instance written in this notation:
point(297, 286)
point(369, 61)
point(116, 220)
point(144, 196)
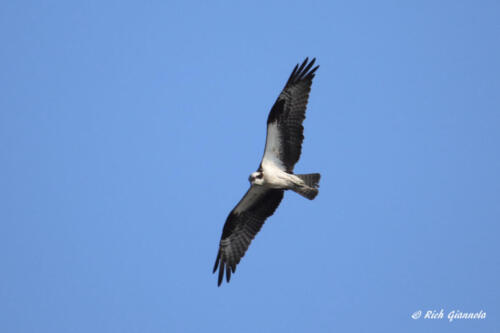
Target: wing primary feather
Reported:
point(302, 72)
point(292, 75)
point(312, 72)
point(221, 273)
point(216, 262)
point(299, 71)
point(228, 273)
point(308, 67)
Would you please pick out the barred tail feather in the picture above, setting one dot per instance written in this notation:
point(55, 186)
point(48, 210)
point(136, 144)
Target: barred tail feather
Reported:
point(310, 189)
point(306, 191)
point(311, 179)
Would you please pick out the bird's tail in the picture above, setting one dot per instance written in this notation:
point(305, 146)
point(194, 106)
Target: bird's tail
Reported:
point(310, 188)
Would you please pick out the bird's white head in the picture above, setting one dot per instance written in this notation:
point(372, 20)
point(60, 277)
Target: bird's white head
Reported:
point(256, 178)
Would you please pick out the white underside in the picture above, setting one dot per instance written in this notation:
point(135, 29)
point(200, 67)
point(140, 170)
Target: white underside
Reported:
point(272, 152)
point(275, 177)
point(272, 166)
point(273, 169)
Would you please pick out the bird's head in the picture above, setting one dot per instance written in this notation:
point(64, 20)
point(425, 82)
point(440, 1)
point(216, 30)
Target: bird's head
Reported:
point(256, 178)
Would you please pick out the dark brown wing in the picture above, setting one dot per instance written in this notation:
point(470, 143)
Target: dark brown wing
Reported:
point(285, 132)
point(241, 226)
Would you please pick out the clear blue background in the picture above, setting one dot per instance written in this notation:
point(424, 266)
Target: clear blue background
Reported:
point(128, 131)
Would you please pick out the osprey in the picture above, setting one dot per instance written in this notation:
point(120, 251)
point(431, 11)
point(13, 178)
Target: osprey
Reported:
point(275, 173)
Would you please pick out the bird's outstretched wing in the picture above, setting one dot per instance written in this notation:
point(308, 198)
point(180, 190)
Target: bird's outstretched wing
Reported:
point(241, 226)
point(285, 132)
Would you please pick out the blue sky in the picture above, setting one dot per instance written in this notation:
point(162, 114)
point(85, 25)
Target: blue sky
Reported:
point(128, 131)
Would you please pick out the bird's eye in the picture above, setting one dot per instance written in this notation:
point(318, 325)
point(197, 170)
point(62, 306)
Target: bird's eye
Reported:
point(260, 175)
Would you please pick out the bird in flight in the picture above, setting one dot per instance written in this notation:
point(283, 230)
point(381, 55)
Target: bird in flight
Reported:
point(275, 173)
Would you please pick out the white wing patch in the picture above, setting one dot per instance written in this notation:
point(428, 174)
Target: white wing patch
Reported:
point(273, 147)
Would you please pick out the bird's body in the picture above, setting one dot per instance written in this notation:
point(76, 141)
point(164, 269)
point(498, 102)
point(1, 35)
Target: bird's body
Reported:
point(275, 173)
point(274, 177)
